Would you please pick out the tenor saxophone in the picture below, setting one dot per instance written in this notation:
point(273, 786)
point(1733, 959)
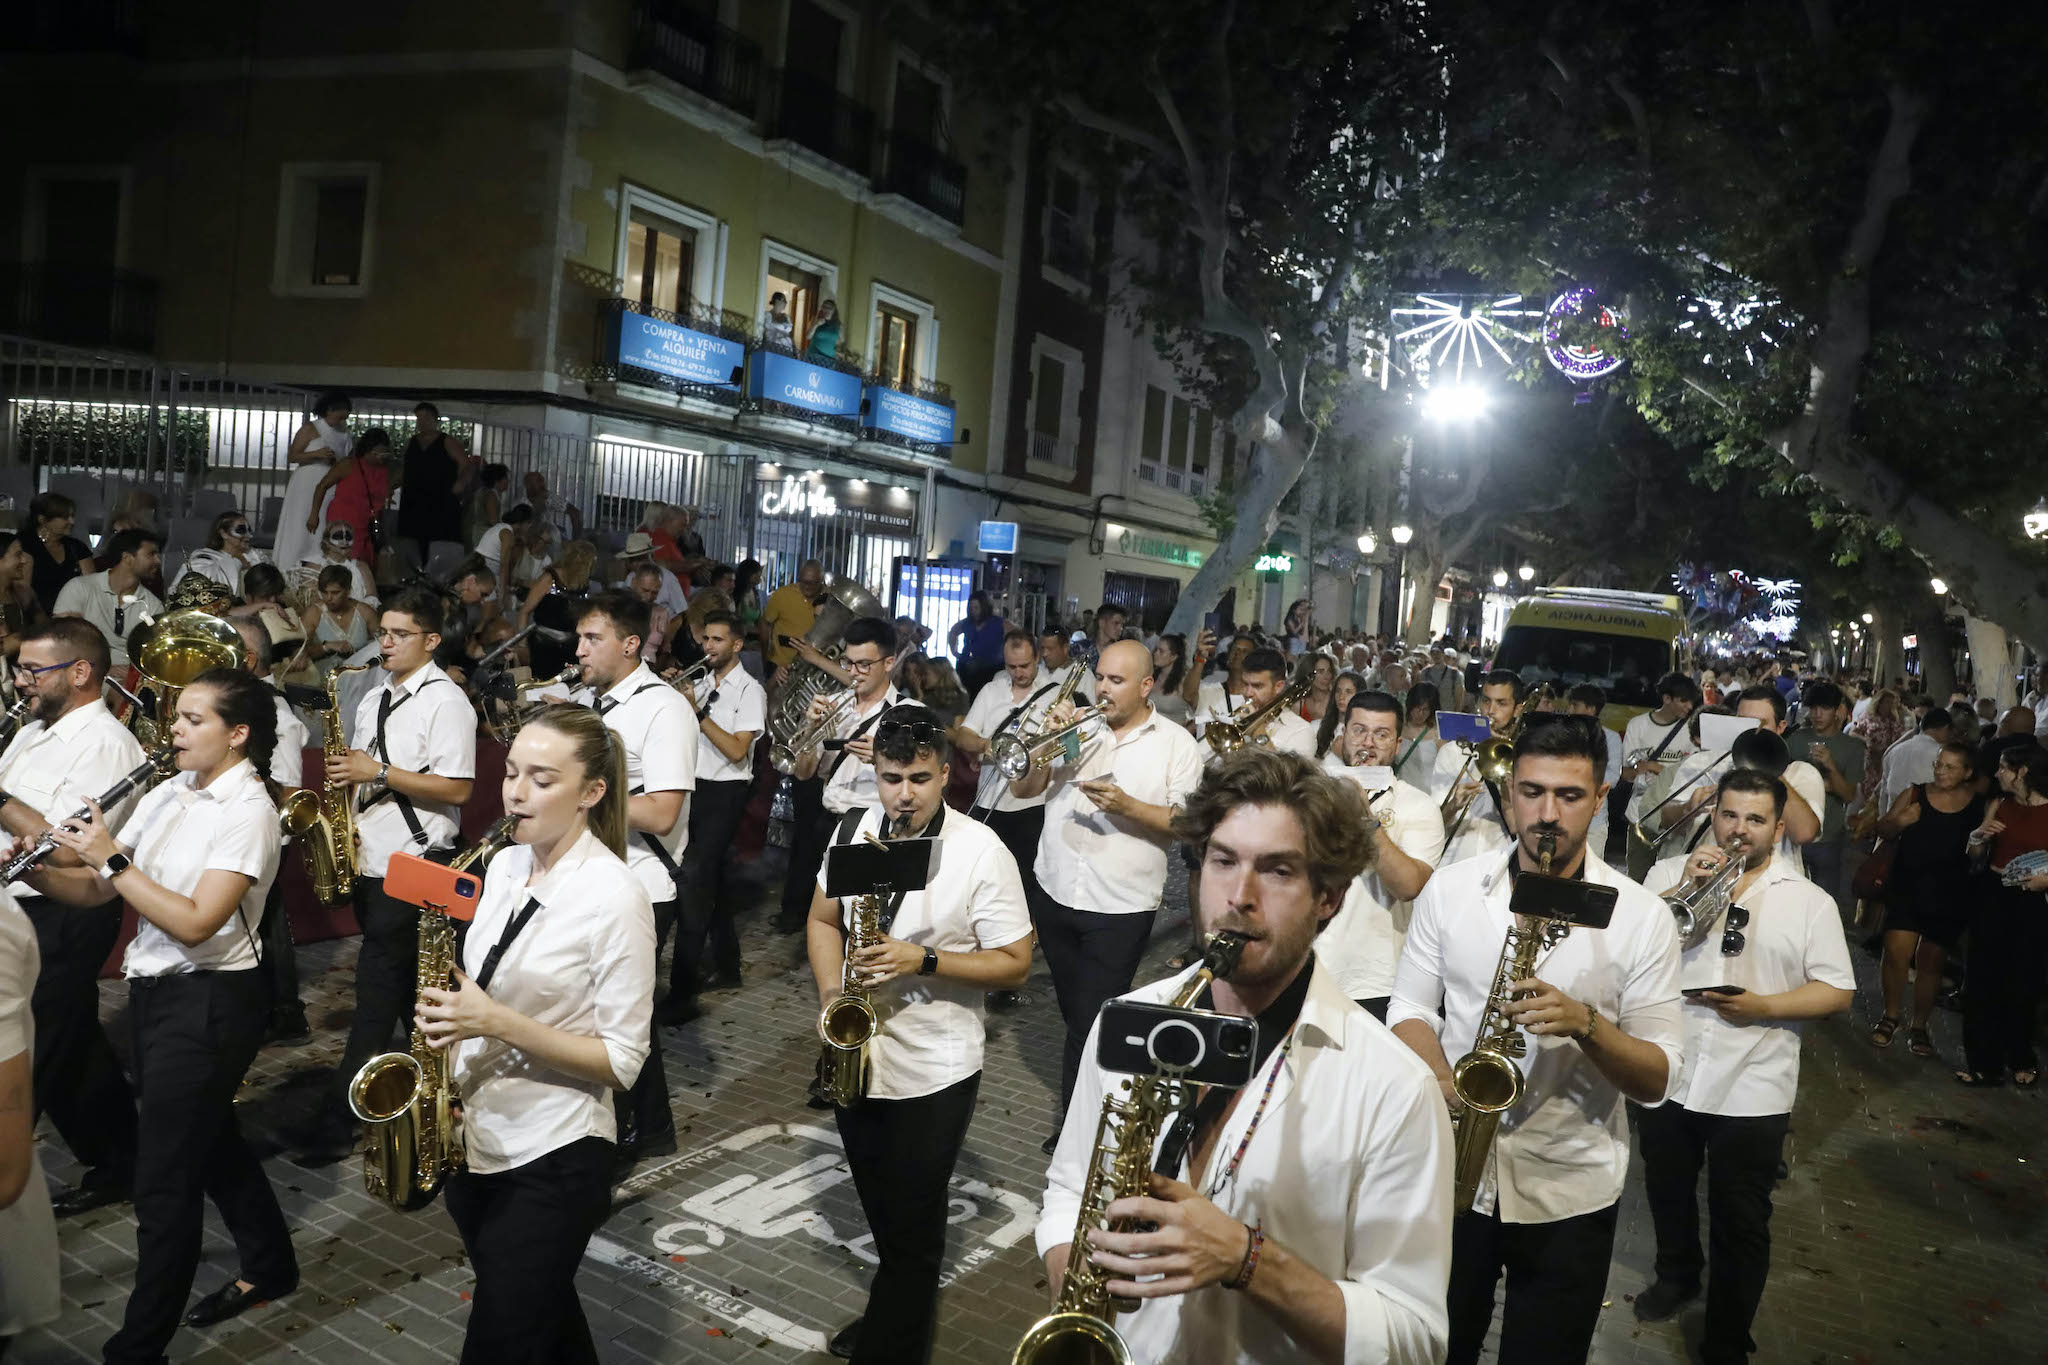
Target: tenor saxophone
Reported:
point(1081, 1330)
point(325, 824)
point(408, 1099)
point(847, 1025)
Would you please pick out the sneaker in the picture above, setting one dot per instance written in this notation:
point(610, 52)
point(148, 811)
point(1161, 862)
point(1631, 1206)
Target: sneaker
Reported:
point(1663, 1299)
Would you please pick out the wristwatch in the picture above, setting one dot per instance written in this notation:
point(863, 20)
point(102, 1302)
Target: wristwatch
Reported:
point(114, 866)
point(383, 775)
point(931, 962)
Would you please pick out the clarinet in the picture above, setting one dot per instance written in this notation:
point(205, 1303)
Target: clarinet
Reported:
point(21, 864)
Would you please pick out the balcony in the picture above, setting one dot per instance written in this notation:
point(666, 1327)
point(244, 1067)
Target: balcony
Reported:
point(78, 305)
point(926, 177)
point(813, 114)
point(673, 40)
point(1048, 448)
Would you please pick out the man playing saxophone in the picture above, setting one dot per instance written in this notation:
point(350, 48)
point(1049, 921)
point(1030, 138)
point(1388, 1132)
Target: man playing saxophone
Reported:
point(1601, 1015)
point(967, 932)
point(1306, 1216)
point(1780, 946)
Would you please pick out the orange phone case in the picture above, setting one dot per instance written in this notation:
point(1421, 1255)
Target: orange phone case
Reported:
point(429, 885)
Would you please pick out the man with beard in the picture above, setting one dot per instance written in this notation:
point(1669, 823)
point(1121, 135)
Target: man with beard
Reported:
point(1304, 1216)
point(1776, 960)
point(1602, 1023)
point(71, 749)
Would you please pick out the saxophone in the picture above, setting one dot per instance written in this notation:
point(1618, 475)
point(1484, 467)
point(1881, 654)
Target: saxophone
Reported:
point(847, 1025)
point(1488, 1081)
point(325, 823)
point(408, 1098)
point(1080, 1330)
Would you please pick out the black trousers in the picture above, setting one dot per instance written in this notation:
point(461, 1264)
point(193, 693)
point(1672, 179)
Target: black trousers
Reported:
point(901, 1153)
point(1557, 1273)
point(2008, 945)
point(716, 809)
point(1741, 1157)
point(387, 979)
point(643, 1110)
point(526, 1230)
point(810, 830)
point(77, 1078)
point(195, 1035)
point(1093, 957)
point(280, 958)
point(1019, 830)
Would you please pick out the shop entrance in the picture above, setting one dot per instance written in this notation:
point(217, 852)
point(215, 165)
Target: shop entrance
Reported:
point(1148, 600)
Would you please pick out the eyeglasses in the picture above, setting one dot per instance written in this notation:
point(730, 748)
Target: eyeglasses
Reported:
point(32, 673)
point(1732, 941)
point(401, 636)
point(860, 665)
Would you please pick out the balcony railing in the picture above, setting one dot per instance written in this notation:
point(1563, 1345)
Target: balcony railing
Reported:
point(75, 305)
point(674, 40)
point(926, 177)
point(719, 322)
point(813, 114)
point(1047, 448)
point(932, 390)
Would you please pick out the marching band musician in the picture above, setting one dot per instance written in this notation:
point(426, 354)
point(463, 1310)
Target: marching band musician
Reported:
point(967, 932)
point(1656, 740)
point(1101, 862)
point(195, 860)
point(657, 728)
point(1780, 947)
point(1013, 702)
point(732, 711)
point(1806, 795)
point(287, 771)
point(1265, 678)
point(1361, 946)
point(1603, 1022)
point(413, 767)
point(550, 1010)
point(1310, 1220)
point(72, 748)
point(1458, 787)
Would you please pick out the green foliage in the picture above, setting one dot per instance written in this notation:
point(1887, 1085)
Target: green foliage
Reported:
point(1219, 513)
point(123, 438)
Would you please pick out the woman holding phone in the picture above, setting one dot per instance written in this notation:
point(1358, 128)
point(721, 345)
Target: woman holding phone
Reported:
point(549, 1015)
point(195, 860)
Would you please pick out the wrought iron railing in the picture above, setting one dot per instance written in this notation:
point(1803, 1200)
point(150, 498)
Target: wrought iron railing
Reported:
point(812, 113)
point(673, 39)
point(925, 176)
point(77, 305)
point(934, 390)
point(719, 322)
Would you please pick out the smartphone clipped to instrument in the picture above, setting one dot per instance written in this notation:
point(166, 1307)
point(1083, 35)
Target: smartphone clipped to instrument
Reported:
point(1456, 727)
point(1695, 992)
point(431, 886)
point(1206, 1048)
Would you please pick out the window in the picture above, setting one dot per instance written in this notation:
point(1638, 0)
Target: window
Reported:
point(1167, 458)
point(895, 345)
point(919, 108)
point(1067, 247)
point(1152, 434)
point(1055, 417)
point(903, 336)
point(326, 220)
point(806, 284)
point(667, 253)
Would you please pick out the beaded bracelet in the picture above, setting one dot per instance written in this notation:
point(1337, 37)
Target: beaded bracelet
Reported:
point(1255, 1240)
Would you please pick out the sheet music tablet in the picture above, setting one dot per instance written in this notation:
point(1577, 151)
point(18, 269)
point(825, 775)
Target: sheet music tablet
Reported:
point(900, 865)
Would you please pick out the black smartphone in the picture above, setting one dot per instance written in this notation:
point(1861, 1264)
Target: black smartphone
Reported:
point(1157, 1040)
point(1697, 991)
point(1588, 905)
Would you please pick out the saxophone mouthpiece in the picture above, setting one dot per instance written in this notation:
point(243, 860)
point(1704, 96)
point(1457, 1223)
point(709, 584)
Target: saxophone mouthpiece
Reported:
point(1546, 849)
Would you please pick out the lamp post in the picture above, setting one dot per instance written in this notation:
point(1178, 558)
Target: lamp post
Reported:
point(1500, 578)
point(1527, 574)
point(1402, 533)
point(2035, 522)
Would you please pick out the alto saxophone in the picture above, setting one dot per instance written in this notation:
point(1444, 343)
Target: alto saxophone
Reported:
point(847, 1025)
point(408, 1099)
point(1080, 1330)
point(325, 824)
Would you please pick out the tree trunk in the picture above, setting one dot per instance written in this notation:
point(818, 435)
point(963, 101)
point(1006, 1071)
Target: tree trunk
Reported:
point(1991, 671)
point(1422, 607)
point(1890, 661)
point(1273, 472)
point(1929, 619)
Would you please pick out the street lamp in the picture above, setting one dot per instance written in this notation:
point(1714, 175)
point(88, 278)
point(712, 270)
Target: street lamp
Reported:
point(1526, 573)
point(2036, 521)
point(1367, 543)
point(1500, 578)
point(1940, 588)
point(1403, 534)
point(1455, 403)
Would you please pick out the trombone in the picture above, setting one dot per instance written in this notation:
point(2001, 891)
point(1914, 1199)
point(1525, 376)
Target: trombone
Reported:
point(1015, 757)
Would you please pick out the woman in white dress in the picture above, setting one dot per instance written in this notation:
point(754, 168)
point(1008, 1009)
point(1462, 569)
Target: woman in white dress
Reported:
point(319, 443)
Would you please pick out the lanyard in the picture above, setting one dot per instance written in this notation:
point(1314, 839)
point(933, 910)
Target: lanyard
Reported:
point(512, 930)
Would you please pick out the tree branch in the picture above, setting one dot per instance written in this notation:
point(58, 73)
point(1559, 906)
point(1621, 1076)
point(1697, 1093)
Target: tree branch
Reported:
point(1099, 122)
point(1638, 116)
point(1820, 21)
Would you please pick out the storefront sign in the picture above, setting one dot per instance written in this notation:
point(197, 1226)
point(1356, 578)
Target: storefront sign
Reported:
point(998, 538)
point(795, 497)
point(1123, 540)
point(913, 418)
point(799, 384)
point(693, 357)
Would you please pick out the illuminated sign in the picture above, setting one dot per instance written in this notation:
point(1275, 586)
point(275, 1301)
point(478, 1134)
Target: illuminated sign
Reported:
point(908, 416)
point(1274, 564)
point(798, 384)
point(1125, 541)
point(795, 497)
point(998, 538)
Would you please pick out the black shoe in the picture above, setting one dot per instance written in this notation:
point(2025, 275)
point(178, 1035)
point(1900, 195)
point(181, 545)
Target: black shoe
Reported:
point(320, 1138)
point(1001, 1000)
point(844, 1340)
point(674, 1012)
point(289, 1031)
point(230, 1300)
point(1050, 1145)
point(1663, 1299)
point(785, 924)
point(722, 981)
point(88, 1195)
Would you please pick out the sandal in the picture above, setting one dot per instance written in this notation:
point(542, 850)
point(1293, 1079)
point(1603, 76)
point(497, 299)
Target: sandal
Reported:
point(1918, 1043)
point(2026, 1080)
point(1882, 1031)
point(1978, 1079)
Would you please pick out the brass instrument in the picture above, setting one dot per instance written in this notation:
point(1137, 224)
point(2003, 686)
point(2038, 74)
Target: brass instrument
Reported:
point(1493, 757)
point(1487, 1080)
point(516, 712)
point(1700, 909)
point(1018, 754)
point(1081, 1330)
point(1228, 736)
point(1760, 750)
point(784, 753)
point(169, 653)
point(843, 602)
point(324, 823)
point(408, 1098)
point(847, 1025)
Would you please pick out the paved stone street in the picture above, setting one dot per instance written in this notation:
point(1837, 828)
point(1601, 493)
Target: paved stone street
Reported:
point(1911, 1227)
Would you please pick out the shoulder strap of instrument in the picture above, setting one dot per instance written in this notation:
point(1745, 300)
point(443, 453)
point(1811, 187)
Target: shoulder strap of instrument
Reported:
point(858, 731)
point(404, 804)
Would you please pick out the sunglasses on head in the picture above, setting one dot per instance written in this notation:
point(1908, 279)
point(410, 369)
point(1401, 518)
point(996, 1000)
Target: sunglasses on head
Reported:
point(1732, 940)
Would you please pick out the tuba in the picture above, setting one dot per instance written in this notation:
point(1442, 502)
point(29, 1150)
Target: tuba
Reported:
point(1080, 1329)
point(784, 753)
point(325, 823)
point(408, 1098)
point(844, 600)
point(169, 653)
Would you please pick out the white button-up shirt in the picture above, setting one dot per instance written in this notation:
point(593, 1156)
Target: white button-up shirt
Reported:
point(288, 760)
point(1349, 1169)
point(584, 964)
point(1794, 936)
point(659, 730)
point(1484, 831)
point(1361, 945)
point(54, 769)
point(117, 617)
point(1909, 761)
point(1702, 770)
point(1646, 734)
point(741, 708)
point(1091, 860)
point(431, 729)
point(992, 705)
point(29, 1293)
point(180, 832)
point(1290, 734)
point(1563, 1150)
point(852, 782)
point(931, 1027)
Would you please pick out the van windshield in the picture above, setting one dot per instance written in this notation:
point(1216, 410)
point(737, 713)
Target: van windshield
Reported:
point(1626, 666)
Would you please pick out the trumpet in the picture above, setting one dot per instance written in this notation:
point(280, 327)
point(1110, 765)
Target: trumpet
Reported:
point(1228, 736)
point(1016, 756)
point(1699, 910)
point(783, 755)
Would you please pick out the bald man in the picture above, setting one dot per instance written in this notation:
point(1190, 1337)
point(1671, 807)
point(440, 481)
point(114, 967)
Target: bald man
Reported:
point(2017, 721)
point(1111, 793)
